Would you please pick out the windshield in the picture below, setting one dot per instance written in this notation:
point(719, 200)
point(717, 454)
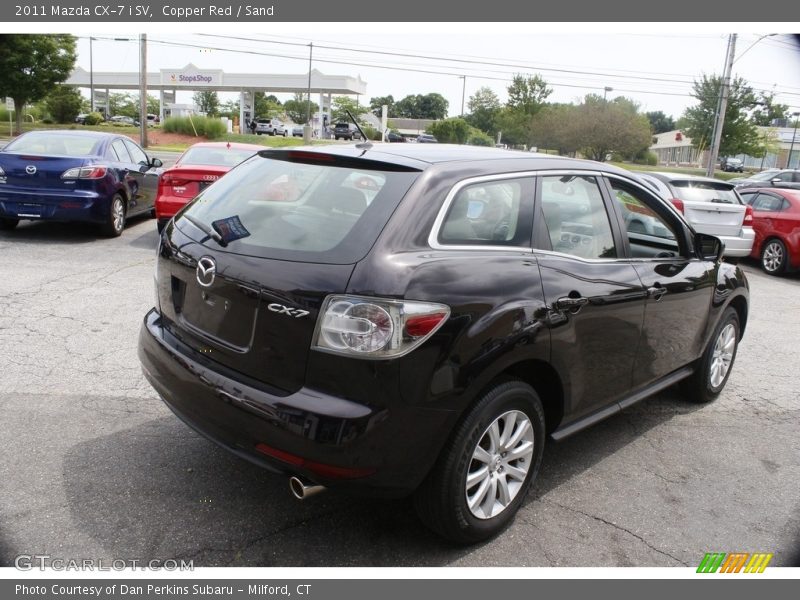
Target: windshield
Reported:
point(37, 142)
point(301, 211)
point(706, 191)
point(222, 157)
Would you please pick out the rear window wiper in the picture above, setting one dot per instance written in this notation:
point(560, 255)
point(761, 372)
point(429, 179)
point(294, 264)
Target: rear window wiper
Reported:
point(209, 231)
point(721, 201)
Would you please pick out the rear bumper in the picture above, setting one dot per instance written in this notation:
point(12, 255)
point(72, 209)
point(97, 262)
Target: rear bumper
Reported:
point(78, 205)
point(167, 206)
point(740, 246)
point(376, 450)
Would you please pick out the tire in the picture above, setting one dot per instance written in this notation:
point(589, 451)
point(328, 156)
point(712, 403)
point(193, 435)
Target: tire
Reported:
point(115, 223)
point(773, 257)
point(285, 133)
point(8, 224)
point(714, 367)
point(258, 133)
point(336, 137)
point(274, 133)
point(443, 500)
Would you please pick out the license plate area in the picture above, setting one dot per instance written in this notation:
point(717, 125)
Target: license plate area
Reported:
point(225, 314)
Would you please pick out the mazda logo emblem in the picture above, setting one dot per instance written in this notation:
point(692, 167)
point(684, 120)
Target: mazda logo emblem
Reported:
point(206, 271)
point(30, 169)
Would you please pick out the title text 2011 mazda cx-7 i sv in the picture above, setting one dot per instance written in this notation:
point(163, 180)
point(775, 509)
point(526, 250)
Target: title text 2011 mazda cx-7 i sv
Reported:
point(417, 319)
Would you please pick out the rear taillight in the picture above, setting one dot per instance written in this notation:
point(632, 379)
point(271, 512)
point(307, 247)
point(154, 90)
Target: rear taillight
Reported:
point(93, 172)
point(748, 216)
point(677, 203)
point(376, 328)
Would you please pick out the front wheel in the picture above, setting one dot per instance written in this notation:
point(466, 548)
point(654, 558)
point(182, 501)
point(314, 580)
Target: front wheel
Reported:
point(714, 367)
point(773, 257)
point(484, 472)
point(8, 224)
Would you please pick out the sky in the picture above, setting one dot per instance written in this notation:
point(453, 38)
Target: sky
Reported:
point(654, 64)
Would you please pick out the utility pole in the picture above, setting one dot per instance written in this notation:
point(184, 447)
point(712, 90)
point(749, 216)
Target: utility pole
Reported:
point(143, 89)
point(307, 128)
point(463, 93)
point(722, 106)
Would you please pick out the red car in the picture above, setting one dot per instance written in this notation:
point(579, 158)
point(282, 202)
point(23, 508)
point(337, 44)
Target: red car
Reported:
point(776, 220)
point(196, 169)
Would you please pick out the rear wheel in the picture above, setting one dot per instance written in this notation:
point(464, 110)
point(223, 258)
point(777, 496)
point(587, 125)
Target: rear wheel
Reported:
point(773, 257)
point(8, 224)
point(484, 472)
point(115, 222)
point(715, 365)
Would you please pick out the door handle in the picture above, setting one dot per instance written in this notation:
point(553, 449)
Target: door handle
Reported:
point(568, 303)
point(657, 291)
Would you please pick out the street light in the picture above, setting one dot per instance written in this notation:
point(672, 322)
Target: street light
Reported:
point(605, 91)
point(794, 135)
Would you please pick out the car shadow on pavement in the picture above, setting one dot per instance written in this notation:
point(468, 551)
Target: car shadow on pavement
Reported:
point(52, 233)
point(160, 491)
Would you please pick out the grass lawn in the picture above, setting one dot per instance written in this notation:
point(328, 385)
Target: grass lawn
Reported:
point(173, 142)
point(686, 170)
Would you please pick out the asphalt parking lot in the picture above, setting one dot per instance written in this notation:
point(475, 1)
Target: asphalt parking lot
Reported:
point(95, 466)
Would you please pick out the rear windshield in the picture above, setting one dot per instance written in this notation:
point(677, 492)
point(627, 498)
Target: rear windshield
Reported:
point(222, 157)
point(300, 211)
point(37, 142)
point(706, 191)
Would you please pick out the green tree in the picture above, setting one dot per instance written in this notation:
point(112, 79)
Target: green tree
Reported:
point(739, 133)
point(768, 110)
point(207, 101)
point(266, 105)
point(659, 122)
point(298, 110)
point(554, 128)
point(605, 127)
point(31, 64)
point(419, 106)
point(341, 104)
point(377, 102)
point(483, 106)
point(528, 94)
point(64, 103)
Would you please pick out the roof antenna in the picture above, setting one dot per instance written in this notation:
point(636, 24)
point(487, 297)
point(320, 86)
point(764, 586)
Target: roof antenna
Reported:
point(366, 144)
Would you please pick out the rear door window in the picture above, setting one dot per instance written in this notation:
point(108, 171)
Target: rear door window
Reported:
point(118, 146)
point(303, 211)
point(768, 202)
point(576, 216)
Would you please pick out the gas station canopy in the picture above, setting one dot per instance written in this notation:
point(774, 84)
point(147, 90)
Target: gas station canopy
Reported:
point(193, 78)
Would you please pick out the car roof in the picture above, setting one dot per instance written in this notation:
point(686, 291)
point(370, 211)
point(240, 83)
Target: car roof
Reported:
point(227, 145)
point(73, 132)
point(665, 176)
point(423, 155)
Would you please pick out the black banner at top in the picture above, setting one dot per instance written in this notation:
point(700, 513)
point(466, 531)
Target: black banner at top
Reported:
point(204, 11)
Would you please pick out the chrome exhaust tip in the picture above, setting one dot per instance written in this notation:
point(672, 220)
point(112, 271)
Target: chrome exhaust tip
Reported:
point(303, 489)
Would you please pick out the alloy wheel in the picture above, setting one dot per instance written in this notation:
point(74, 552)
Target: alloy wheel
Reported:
point(118, 215)
point(773, 257)
point(499, 465)
point(723, 355)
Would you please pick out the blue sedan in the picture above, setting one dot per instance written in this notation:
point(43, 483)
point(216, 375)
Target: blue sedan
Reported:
point(70, 175)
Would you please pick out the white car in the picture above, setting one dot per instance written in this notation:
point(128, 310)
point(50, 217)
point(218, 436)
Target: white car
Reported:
point(270, 127)
point(711, 206)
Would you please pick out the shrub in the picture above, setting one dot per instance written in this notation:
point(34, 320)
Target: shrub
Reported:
point(479, 138)
point(94, 118)
point(207, 127)
point(47, 121)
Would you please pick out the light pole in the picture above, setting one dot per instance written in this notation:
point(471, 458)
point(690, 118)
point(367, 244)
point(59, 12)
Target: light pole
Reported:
point(91, 76)
point(794, 135)
point(605, 91)
point(722, 106)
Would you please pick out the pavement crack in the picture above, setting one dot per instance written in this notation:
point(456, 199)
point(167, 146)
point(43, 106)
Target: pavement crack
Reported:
point(619, 527)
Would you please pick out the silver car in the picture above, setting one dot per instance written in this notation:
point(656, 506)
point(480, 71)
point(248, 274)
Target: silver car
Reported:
point(271, 127)
point(710, 206)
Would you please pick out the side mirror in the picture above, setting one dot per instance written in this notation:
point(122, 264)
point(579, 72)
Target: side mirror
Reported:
point(709, 247)
point(156, 163)
point(776, 180)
